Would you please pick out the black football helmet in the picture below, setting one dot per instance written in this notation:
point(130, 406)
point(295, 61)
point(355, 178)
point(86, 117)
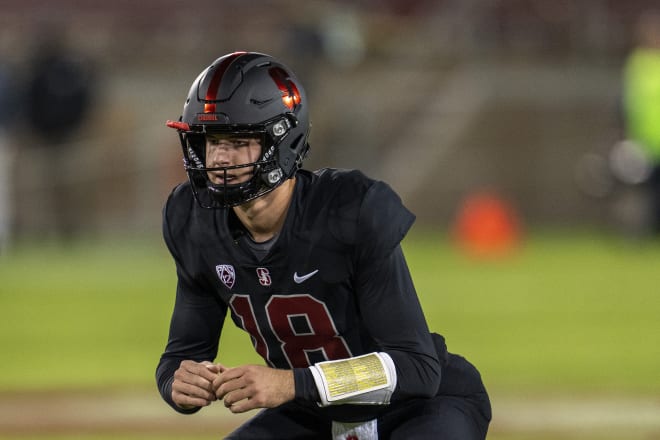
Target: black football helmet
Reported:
point(244, 94)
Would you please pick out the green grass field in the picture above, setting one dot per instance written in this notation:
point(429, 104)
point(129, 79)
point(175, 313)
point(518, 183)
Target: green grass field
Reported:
point(574, 314)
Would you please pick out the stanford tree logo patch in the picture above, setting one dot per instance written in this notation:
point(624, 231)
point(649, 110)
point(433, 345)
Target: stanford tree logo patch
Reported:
point(264, 276)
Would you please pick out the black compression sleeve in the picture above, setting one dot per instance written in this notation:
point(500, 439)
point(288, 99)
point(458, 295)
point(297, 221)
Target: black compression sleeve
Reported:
point(305, 386)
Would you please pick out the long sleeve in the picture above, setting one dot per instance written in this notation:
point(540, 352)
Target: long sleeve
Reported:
point(196, 322)
point(393, 316)
point(194, 334)
point(391, 312)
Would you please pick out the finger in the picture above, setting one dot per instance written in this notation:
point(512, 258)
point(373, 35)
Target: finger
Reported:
point(217, 381)
point(192, 391)
point(211, 366)
point(192, 384)
point(185, 377)
point(231, 373)
point(186, 394)
point(186, 401)
point(223, 387)
point(214, 369)
point(217, 367)
point(244, 405)
point(236, 396)
point(241, 407)
point(204, 370)
point(215, 386)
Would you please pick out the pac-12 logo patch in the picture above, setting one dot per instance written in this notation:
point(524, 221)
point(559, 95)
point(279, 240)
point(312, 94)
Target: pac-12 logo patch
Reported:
point(226, 274)
point(264, 276)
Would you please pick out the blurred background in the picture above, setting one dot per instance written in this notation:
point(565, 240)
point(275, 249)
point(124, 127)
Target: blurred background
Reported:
point(496, 121)
point(440, 98)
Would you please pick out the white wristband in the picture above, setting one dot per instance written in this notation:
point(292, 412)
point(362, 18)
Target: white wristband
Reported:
point(369, 379)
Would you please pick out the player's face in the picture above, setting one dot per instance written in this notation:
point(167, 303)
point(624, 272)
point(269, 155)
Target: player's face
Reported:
point(228, 150)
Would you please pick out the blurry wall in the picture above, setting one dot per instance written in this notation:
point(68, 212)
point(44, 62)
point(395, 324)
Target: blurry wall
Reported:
point(439, 98)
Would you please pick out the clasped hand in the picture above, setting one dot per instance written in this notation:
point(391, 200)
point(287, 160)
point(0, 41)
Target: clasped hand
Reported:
point(242, 388)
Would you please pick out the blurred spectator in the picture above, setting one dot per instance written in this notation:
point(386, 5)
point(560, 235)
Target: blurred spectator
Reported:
point(641, 89)
point(58, 94)
point(7, 106)
point(57, 100)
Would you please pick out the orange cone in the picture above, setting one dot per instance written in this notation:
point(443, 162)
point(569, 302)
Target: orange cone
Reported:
point(487, 226)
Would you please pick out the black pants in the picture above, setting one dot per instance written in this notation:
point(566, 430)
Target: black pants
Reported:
point(654, 189)
point(460, 411)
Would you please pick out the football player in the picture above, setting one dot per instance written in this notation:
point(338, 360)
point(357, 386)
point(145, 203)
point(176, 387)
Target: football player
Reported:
point(310, 265)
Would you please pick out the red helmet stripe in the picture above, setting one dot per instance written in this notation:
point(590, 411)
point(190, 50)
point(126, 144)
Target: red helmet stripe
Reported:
point(290, 92)
point(212, 92)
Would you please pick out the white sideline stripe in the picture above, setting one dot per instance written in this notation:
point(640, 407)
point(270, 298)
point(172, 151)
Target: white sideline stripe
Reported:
point(127, 412)
point(577, 415)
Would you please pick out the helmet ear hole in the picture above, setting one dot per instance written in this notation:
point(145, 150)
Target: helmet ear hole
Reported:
point(294, 145)
point(300, 147)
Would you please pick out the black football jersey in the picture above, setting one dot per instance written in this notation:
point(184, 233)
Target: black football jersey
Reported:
point(334, 284)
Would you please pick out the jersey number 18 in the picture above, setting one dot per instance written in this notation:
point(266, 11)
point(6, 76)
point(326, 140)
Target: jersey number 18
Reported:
point(319, 334)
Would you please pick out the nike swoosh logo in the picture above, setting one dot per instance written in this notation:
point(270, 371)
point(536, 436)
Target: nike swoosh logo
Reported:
point(302, 278)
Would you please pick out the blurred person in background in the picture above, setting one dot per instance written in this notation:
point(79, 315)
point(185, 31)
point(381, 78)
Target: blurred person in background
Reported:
point(58, 97)
point(310, 265)
point(7, 106)
point(641, 90)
